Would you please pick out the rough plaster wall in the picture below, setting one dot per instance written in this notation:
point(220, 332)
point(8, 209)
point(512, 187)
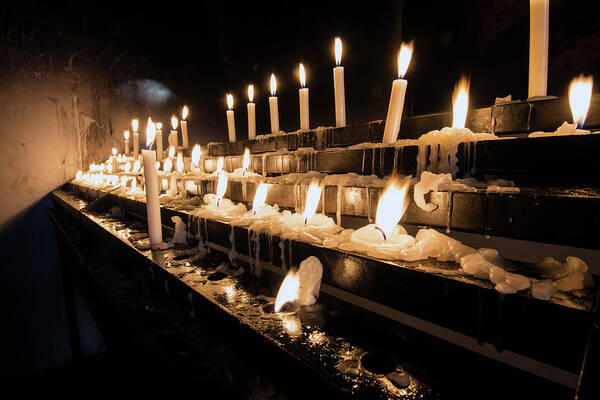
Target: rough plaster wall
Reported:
point(39, 151)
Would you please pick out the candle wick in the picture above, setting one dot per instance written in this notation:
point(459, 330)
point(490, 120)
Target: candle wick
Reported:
point(305, 220)
point(382, 232)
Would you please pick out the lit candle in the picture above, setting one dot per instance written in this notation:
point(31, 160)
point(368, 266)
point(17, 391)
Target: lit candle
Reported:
point(274, 106)
point(246, 161)
point(151, 181)
point(126, 135)
point(159, 141)
point(338, 86)
point(394, 115)
point(303, 95)
point(184, 133)
point(538, 47)
point(251, 113)
point(173, 139)
point(230, 118)
point(136, 137)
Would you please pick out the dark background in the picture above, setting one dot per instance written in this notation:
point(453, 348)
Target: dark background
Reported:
point(199, 51)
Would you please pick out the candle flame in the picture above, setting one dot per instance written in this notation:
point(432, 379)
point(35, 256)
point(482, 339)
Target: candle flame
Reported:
point(196, 153)
point(229, 101)
point(338, 51)
point(137, 165)
point(302, 74)
point(150, 133)
point(171, 151)
point(250, 93)
point(167, 165)
point(460, 103)
point(246, 162)
point(179, 162)
point(184, 112)
point(126, 135)
point(134, 124)
point(174, 122)
point(580, 95)
point(109, 168)
point(220, 162)
point(260, 196)
point(392, 205)
point(221, 187)
point(128, 166)
point(404, 56)
point(288, 291)
point(157, 165)
point(313, 195)
point(159, 125)
point(273, 85)
point(80, 174)
point(114, 151)
point(133, 185)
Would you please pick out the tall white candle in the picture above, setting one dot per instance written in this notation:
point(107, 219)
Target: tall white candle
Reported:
point(303, 97)
point(394, 115)
point(173, 139)
point(251, 113)
point(126, 135)
point(184, 131)
point(538, 47)
point(151, 182)
point(274, 106)
point(338, 86)
point(159, 141)
point(230, 118)
point(136, 137)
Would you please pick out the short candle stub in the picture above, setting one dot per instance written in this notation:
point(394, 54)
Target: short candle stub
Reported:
point(382, 232)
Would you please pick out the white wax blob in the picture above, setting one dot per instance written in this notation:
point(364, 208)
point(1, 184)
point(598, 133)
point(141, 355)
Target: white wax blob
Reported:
point(309, 274)
point(565, 129)
point(180, 235)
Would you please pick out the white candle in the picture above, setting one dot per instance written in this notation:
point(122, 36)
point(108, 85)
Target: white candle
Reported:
point(136, 137)
point(126, 135)
point(230, 118)
point(303, 96)
point(151, 182)
point(338, 86)
point(159, 141)
point(251, 113)
point(184, 131)
point(394, 115)
point(173, 139)
point(538, 47)
point(274, 106)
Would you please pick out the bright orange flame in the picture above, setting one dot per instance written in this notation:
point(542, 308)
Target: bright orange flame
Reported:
point(128, 166)
point(172, 151)
point(404, 56)
point(260, 196)
point(184, 112)
point(136, 165)
point(220, 163)
point(288, 291)
point(246, 162)
point(126, 135)
point(159, 125)
point(221, 186)
point(392, 205)
point(229, 101)
point(196, 153)
point(114, 151)
point(313, 195)
point(250, 93)
point(168, 165)
point(179, 162)
point(273, 85)
point(460, 103)
point(150, 133)
point(338, 51)
point(302, 74)
point(135, 124)
point(580, 95)
point(174, 122)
